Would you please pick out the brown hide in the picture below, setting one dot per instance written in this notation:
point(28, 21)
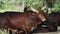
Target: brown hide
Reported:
point(26, 21)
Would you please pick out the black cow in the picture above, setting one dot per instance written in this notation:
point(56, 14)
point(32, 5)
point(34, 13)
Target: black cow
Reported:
point(53, 21)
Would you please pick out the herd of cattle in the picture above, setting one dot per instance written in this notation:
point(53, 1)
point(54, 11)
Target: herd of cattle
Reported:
point(29, 21)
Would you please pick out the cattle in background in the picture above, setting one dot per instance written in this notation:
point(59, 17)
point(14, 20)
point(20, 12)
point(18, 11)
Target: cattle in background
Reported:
point(53, 21)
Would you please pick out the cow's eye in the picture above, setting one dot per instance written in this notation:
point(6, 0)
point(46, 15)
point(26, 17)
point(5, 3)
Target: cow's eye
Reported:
point(33, 14)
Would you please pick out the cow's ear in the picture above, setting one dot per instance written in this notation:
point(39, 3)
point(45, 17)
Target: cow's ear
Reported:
point(34, 10)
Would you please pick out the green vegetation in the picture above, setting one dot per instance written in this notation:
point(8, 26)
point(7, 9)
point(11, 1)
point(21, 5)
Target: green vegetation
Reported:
point(56, 6)
point(12, 4)
point(39, 4)
point(34, 3)
point(9, 5)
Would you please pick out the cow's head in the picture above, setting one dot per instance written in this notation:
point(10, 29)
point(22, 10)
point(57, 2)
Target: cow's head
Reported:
point(40, 14)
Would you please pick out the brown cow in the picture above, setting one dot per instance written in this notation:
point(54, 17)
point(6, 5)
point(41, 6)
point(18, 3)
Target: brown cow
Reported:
point(26, 21)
